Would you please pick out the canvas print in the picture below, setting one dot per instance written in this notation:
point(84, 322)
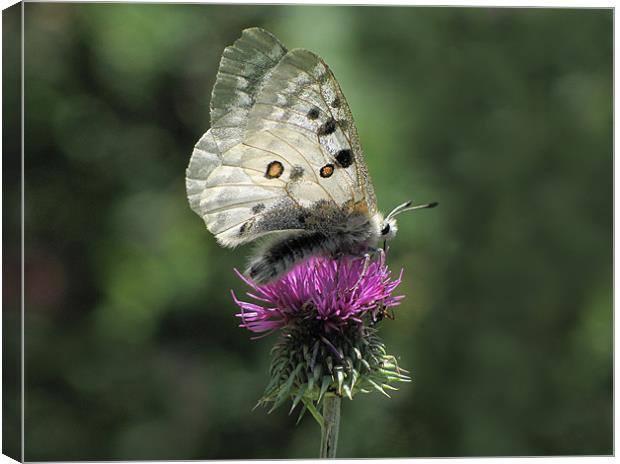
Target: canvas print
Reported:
point(299, 231)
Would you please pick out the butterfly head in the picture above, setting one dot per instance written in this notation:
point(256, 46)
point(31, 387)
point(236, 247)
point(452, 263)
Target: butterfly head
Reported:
point(389, 226)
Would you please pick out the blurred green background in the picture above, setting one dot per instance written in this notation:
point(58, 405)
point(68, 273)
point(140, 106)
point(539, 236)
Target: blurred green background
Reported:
point(504, 116)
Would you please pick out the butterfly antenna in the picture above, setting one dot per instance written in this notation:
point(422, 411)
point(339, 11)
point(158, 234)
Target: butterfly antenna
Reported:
point(397, 210)
point(407, 207)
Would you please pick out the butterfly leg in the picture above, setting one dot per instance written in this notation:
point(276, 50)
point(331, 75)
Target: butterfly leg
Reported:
point(370, 252)
point(363, 272)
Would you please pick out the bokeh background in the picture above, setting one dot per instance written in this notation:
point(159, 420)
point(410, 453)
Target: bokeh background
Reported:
point(504, 116)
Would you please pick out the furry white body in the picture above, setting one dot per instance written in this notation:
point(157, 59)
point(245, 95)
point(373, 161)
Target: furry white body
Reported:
point(356, 236)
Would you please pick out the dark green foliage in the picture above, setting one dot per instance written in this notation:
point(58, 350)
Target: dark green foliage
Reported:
point(504, 116)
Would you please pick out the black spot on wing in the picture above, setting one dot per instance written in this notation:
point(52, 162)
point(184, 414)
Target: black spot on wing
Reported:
point(313, 113)
point(336, 102)
point(344, 158)
point(328, 127)
point(246, 226)
point(297, 173)
point(258, 208)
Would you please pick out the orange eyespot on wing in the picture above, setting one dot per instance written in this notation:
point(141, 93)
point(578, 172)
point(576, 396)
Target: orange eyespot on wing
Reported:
point(327, 170)
point(274, 170)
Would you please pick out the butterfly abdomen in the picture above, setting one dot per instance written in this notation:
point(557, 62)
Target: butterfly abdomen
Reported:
point(354, 237)
point(279, 258)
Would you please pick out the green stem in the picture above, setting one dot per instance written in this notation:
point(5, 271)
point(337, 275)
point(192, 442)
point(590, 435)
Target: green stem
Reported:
point(329, 431)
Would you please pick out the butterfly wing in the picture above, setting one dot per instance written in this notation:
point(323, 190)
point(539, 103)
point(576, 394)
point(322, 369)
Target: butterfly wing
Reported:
point(303, 96)
point(243, 68)
point(282, 142)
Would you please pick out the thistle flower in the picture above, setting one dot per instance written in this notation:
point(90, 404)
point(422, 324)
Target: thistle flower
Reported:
point(327, 311)
point(333, 291)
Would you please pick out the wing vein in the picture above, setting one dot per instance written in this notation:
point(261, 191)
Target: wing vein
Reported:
point(346, 109)
point(245, 185)
point(308, 162)
point(250, 63)
point(330, 158)
point(241, 203)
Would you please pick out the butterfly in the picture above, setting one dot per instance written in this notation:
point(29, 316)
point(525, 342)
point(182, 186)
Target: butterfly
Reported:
point(282, 160)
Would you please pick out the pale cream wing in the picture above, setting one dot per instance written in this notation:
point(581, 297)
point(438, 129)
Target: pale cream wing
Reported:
point(281, 150)
point(269, 183)
point(302, 95)
point(243, 68)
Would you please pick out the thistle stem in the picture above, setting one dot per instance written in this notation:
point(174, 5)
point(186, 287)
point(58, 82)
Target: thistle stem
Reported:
point(329, 431)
